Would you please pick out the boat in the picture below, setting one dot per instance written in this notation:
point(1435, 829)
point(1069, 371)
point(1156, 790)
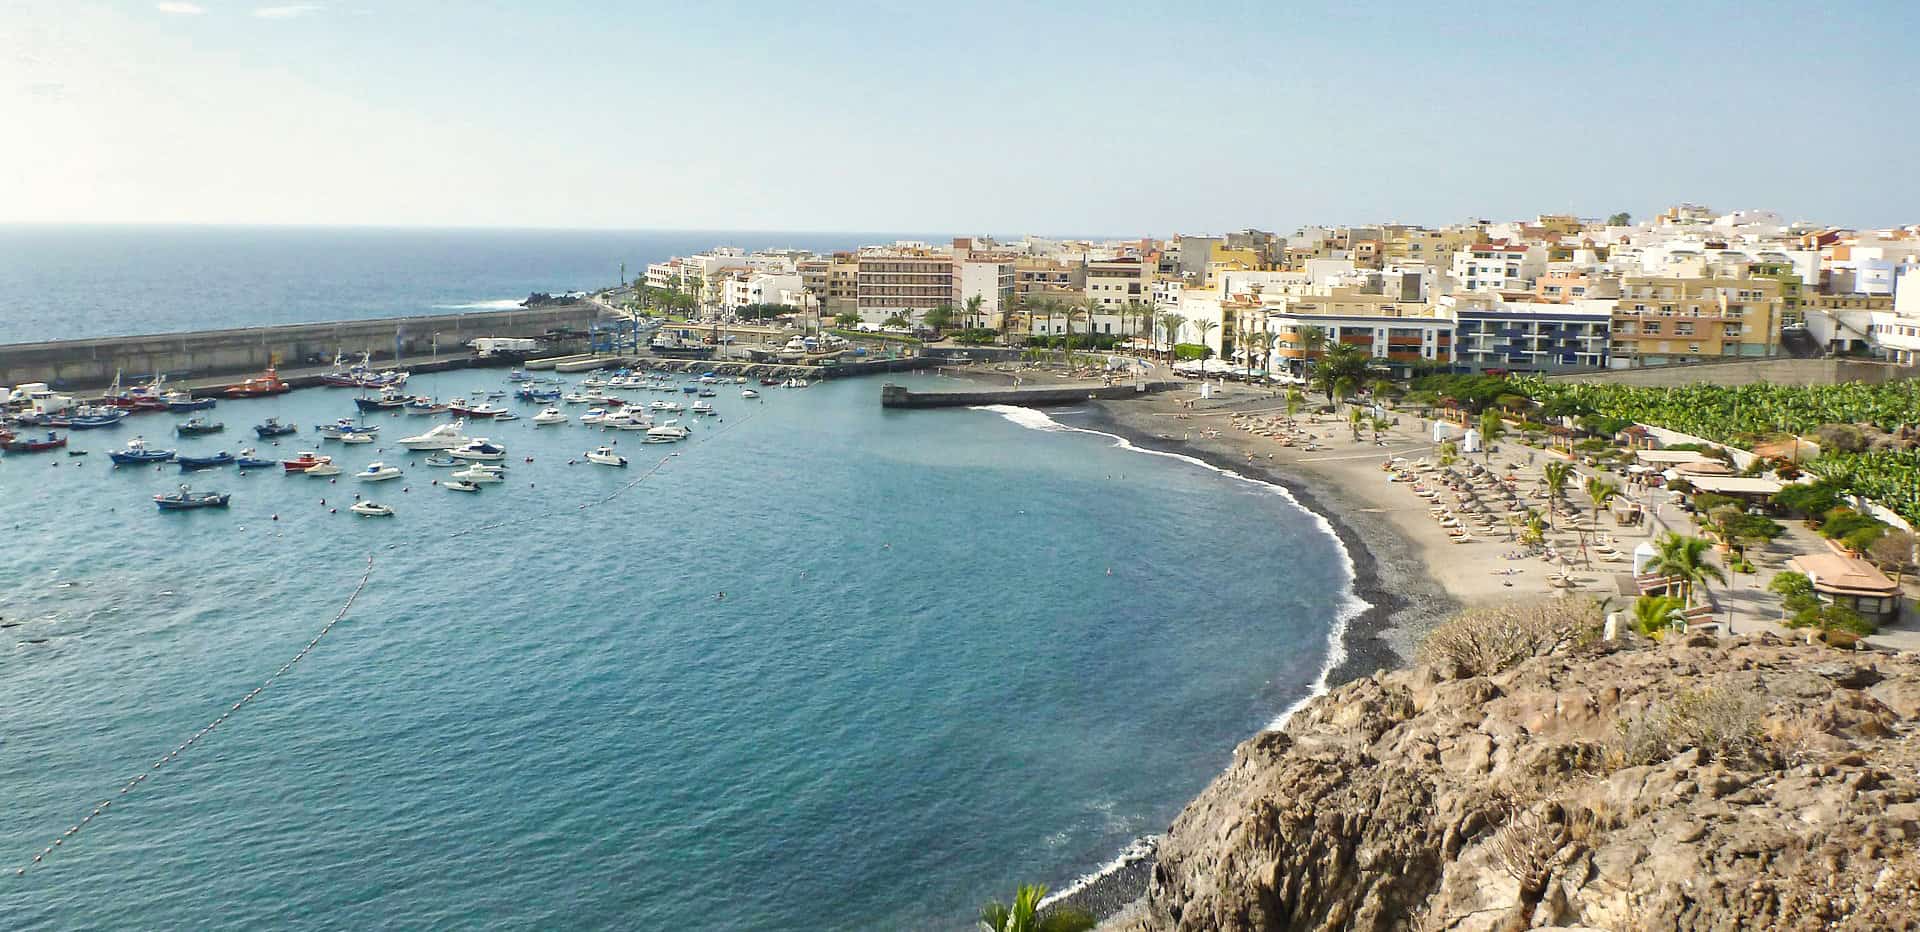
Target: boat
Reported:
point(518, 375)
point(371, 510)
point(35, 444)
point(361, 375)
point(479, 409)
point(606, 457)
point(378, 472)
point(190, 463)
point(770, 382)
point(573, 398)
point(197, 426)
point(749, 393)
point(186, 500)
point(343, 427)
point(356, 437)
point(88, 417)
point(706, 393)
point(594, 416)
point(549, 416)
point(137, 451)
point(326, 467)
point(529, 393)
point(441, 460)
point(441, 437)
point(421, 404)
point(388, 399)
point(247, 460)
point(46, 419)
point(479, 448)
point(665, 406)
point(670, 432)
point(689, 389)
point(259, 386)
point(304, 461)
point(703, 407)
point(481, 472)
point(184, 401)
point(273, 428)
point(455, 485)
point(708, 378)
point(509, 416)
point(628, 421)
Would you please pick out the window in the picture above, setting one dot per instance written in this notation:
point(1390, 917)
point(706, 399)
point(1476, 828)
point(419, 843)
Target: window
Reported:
point(1683, 329)
point(1653, 326)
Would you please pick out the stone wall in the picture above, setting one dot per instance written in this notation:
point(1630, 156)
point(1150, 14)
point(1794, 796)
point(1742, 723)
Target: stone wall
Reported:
point(73, 364)
point(1780, 371)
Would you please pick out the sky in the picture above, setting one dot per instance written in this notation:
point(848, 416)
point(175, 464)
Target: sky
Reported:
point(1112, 118)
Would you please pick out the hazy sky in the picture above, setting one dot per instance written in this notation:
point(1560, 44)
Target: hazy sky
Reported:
point(1018, 117)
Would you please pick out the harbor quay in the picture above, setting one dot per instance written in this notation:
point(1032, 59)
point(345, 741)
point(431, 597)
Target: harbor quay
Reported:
point(70, 365)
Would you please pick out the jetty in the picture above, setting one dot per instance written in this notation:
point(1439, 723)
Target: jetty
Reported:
point(899, 396)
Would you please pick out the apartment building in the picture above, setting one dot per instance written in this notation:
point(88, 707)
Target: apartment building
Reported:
point(1039, 277)
point(1566, 286)
point(1492, 335)
point(990, 280)
point(1396, 332)
point(907, 282)
point(1662, 320)
point(1499, 266)
point(1115, 283)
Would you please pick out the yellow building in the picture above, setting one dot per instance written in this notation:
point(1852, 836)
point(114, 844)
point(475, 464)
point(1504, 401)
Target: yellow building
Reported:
point(1661, 320)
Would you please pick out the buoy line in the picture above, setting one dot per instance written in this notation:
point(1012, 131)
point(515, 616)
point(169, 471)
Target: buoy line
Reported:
point(174, 754)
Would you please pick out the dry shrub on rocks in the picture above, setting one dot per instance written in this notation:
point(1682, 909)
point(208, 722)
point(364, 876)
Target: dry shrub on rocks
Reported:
point(1485, 641)
point(1723, 724)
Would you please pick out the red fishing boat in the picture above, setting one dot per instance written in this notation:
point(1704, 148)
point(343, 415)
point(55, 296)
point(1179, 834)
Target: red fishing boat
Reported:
point(305, 461)
point(259, 386)
point(32, 445)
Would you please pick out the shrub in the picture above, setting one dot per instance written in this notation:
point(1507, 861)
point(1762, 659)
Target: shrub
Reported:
point(1485, 641)
point(1862, 539)
point(1840, 438)
point(1724, 725)
point(1185, 351)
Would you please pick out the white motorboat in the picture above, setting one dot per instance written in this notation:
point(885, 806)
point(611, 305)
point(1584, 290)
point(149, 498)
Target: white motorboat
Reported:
point(441, 460)
point(606, 457)
point(573, 398)
point(708, 379)
point(480, 472)
point(479, 448)
point(441, 437)
point(371, 510)
point(670, 432)
point(549, 416)
point(704, 407)
point(594, 416)
point(356, 438)
point(665, 406)
point(378, 472)
point(508, 416)
point(456, 485)
point(749, 393)
point(325, 467)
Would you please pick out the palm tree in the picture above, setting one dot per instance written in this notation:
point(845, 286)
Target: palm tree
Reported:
point(1491, 428)
point(1656, 614)
point(1555, 473)
point(1601, 493)
point(1380, 424)
point(1685, 558)
point(1294, 402)
point(1355, 418)
point(1170, 324)
point(1204, 327)
point(1086, 311)
point(974, 314)
point(1024, 915)
point(1313, 340)
point(1380, 388)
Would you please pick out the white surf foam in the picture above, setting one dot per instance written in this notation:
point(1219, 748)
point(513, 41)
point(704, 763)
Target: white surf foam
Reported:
point(497, 304)
point(1352, 605)
point(1141, 847)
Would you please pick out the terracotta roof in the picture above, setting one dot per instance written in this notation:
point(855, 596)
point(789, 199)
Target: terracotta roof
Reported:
point(1834, 573)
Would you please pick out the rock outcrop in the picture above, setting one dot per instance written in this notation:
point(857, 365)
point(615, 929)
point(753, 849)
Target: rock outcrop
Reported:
point(1741, 783)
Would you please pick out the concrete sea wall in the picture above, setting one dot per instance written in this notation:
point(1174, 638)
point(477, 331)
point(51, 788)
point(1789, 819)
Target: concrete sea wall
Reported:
point(1748, 372)
point(79, 364)
point(898, 396)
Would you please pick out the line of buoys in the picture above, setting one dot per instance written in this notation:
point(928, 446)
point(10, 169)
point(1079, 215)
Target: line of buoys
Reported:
point(183, 747)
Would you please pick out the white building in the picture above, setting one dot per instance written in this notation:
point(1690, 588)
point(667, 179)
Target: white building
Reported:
point(992, 282)
point(1499, 266)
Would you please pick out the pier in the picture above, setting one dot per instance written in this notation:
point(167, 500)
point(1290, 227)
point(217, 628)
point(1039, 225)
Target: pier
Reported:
point(737, 367)
point(899, 396)
point(71, 365)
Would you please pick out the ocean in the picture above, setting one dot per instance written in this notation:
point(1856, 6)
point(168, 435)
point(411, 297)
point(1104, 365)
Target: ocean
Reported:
point(70, 282)
point(957, 650)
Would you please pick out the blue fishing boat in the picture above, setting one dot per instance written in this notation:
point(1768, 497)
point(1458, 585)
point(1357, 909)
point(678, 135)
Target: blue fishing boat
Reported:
point(273, 428)
point(690, 389)
point(388, 398)
point(186, 500)
point(246, 460)
point(90, 417)
point(190, 463)
point(197, 426)
point(519, 375)
point(184, 401)
point(137, 451)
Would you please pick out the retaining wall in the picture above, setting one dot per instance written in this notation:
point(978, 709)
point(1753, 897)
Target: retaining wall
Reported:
point(1782, 371)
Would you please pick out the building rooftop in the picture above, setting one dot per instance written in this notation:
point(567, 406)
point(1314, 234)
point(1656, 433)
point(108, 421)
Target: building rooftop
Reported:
point(1834, 573)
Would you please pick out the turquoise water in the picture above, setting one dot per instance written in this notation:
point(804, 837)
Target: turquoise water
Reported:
point(922, 686)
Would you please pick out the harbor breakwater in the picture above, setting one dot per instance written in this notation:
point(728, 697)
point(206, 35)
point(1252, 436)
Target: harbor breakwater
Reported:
point(78, 364)
point(899, 396)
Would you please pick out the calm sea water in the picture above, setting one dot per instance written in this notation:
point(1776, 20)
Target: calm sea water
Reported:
point(64, 282)
point(922, 686)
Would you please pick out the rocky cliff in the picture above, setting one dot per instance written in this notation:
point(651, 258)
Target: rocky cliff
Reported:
point(1740, 783)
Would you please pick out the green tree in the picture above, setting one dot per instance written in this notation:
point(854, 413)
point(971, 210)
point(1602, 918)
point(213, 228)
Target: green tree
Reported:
point(1556, 473)
point(1620, 219)
point(1294, 402)
point(1491, 427)
point(1601, 493)
point(1685, 558)
point(1170, 324)
point(1313, 341)
point(1025, 916)
point(846, 320)
point(1379, 424)
point(975, 313)
point(1356, 419)
point(1204, 327)
point(939, 317)
point(1342, 363)
point(1449, 453)
point(897, 321)
point(1137, 315)
point(1655, 615)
